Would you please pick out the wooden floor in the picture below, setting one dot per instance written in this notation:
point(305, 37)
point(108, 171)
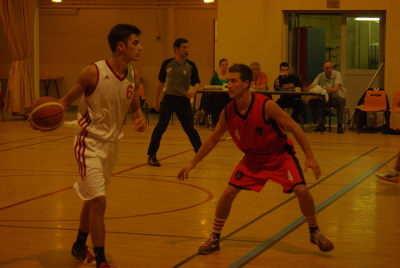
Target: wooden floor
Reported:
point(152, 220)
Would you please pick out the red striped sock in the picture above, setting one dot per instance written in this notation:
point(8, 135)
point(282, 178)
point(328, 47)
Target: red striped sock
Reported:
point(312, 223)
point(218, 225)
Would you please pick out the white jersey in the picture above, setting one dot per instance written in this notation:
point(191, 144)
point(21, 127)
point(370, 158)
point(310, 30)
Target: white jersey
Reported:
point(101, 113)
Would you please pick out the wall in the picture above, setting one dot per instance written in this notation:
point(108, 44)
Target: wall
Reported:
point(70, 42)
point(258, 31)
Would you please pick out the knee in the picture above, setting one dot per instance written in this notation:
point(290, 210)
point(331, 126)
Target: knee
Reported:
point(301, 191)
point(98, 204)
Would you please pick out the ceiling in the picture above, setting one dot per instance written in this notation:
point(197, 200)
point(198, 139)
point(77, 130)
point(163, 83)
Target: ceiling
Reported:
point(116, 3)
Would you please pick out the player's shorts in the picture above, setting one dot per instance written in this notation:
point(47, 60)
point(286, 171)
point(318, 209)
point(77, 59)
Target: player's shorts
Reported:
point(249, 174)
point(96, 160)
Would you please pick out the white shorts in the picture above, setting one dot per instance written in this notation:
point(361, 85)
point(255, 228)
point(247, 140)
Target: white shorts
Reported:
point(96, 160)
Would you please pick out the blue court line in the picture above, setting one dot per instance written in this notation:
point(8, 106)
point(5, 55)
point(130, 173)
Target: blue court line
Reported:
point(278, 206)
point(293, 226)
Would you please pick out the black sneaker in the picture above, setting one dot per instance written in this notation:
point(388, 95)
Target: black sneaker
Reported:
point(152, 161)
point(318, 129)
point(340, 130)
point(83, 255)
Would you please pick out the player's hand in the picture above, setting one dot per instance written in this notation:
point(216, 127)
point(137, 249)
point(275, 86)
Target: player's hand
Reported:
point(184, 172)
point(156, 105)
point(140, 124)
point(311, 163)
point(190, 94)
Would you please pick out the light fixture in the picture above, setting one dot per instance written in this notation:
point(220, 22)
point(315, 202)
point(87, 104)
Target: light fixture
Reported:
point(56, 1)
point(367, 19)
point(208, 1)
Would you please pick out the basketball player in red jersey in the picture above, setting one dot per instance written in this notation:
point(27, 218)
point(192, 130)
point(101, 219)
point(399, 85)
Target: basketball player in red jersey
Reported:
point(255, 123)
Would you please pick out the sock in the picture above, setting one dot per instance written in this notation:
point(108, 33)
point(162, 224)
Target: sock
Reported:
point(99, 255)
point(312, 223)
point(81, 239)
point(217, 227)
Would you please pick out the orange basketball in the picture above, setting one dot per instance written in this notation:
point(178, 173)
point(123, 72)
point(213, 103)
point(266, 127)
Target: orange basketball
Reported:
point(46, 114)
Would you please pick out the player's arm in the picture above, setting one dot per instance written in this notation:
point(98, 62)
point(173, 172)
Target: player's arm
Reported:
point(194, 80)
point(160, 87)
point(272, 110)
point(206, 147)
point(136, 111)
point(86, 81)
point(190, 93)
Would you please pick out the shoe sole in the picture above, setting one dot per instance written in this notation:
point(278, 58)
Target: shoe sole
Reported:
point(322, 249)
point(386, 179)
point(208, 252)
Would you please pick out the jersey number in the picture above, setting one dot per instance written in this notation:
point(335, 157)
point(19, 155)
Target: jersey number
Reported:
point(129, 92)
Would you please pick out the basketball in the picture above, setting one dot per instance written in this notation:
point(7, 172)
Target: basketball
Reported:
point(46, 114)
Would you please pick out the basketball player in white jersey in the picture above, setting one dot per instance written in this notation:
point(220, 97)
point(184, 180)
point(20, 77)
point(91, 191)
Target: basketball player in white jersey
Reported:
point(110, 89)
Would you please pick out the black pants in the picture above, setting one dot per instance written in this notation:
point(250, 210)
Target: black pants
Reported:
point(295, 103)
point(215, 103)
point(181, 106)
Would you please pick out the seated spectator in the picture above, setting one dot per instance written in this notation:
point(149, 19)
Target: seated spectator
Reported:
point(215, 101)
point(331, 81)
point(260, 79)
point(285, 80)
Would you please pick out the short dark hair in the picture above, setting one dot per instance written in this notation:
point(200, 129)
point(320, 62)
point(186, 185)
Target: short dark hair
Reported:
point(284, 64)
point(121, 33)
point(245, 72)
point(222, 60)
point(178, 42)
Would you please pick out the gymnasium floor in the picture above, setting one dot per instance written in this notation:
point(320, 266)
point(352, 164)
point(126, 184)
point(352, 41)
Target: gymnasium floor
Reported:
point(152, 220)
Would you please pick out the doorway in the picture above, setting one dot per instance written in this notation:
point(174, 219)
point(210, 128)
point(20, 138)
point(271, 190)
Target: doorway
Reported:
point(352, 41)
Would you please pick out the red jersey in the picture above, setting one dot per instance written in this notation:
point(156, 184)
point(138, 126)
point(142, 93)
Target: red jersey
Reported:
point(260, 140)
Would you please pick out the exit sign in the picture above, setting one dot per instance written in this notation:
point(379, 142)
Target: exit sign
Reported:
point(333, 4)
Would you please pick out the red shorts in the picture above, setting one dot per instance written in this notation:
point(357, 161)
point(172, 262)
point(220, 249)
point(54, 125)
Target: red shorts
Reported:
point(250, 174)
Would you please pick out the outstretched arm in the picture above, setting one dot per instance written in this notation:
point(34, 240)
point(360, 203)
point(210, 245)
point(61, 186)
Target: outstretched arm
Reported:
point(206, 148)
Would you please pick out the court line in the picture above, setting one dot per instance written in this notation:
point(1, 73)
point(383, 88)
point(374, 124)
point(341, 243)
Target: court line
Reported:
point(27, 145)
point(210, 196)
point(297, 223)
point(277, 206)
point(34, 198)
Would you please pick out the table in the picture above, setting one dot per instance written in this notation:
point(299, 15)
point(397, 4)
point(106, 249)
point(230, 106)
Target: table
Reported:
point(272, 92)
point(46, 82)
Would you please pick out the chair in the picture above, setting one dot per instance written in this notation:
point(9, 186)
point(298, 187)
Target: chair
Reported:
point(147, 113)
point(375, 101)
point(1, 104)
point(346, 112)
point(395, 102)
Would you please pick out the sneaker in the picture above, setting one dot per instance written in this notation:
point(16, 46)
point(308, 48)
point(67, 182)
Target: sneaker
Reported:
point(340, 130)
point(209, 246)
point(318, 129)
point(321, 241)
point(83, 255)
point(152, 161)
point(104, 265)
point(392, 176)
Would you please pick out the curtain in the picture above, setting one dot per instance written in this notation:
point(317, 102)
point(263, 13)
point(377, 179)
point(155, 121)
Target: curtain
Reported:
point(17, 18)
